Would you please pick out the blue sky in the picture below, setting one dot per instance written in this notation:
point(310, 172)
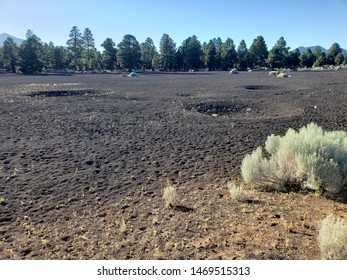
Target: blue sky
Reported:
point(301, 23)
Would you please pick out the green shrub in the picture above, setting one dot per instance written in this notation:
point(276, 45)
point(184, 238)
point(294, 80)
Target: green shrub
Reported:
point(309, 158)
point(332, 239)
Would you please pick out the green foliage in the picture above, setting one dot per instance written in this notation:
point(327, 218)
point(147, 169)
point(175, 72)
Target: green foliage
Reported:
point(339, 59)
point(310, 158)
point(209, 56)
point(332, 238)
point(278, 54)
point(321, 60)
point(307, 59)
point(109, 54)
point(191, 51)
point(75, 48)
point(31, 54)
point(293, 59)
point(129, 53)
point(229, 55)
point(242, 54)
point(259, 52)
point(167, 51)
point(148, 51)
point(10, 55)
point(333, 52)
point(89, 53)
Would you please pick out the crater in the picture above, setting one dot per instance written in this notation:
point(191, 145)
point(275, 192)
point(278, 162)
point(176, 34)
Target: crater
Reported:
point(61, 93)
point(216, 107)
point(259, 87)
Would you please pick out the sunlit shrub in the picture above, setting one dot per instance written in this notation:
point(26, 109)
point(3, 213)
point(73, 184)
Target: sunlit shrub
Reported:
point(309, 158)
point(332, 239)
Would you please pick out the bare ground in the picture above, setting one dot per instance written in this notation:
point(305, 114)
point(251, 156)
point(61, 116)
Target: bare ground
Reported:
point(79, 154)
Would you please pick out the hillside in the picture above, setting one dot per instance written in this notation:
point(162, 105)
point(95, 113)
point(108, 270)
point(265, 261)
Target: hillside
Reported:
point(4, 36)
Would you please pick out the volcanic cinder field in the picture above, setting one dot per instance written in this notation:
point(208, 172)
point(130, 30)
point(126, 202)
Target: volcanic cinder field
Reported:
point(84, 160)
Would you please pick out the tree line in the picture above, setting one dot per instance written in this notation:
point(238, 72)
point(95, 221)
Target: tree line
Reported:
point(34, 56)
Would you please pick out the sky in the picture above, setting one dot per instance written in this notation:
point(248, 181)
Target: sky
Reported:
point(300, 22)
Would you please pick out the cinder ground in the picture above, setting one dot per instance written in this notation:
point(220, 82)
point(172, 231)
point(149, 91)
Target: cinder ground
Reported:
point(79, 154)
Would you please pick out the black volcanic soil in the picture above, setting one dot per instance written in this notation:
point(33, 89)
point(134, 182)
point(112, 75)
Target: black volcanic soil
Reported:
point(81, 153)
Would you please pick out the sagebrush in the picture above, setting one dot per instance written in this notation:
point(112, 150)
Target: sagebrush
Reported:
point(309, 158)
point(332, 238)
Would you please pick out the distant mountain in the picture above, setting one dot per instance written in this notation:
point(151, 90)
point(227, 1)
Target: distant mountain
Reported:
point(302, 49)
point(4, 36)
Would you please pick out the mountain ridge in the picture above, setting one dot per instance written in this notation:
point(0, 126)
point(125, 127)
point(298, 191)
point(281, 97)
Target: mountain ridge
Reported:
point(4, 36)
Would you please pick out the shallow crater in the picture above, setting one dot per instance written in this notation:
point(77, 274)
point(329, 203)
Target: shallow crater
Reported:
point(61, 93)
point(259, 87)
point(216, 107)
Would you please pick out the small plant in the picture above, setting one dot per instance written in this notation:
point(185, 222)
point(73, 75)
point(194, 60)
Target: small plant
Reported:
point(2, 200)
point(169, 195)
point(122, 226)
point(236, 192)
point(332, 238)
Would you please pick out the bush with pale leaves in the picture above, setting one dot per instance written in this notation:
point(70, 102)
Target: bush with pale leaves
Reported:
point(309, 158)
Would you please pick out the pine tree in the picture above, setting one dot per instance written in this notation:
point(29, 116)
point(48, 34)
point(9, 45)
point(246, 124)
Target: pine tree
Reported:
point(75, 47)
point(31, 54)
point(209, 55)
point(167, 53)
point(129, 53)
point(147, 53)
point(109, 54)
point(89, 50)
point(242, 54)
point(259, 52)
point(293, 59)
point(10, 55)
point(277, 55)
point(191, 53)
point(229, 55)
point(307, 58)
point(333, 52)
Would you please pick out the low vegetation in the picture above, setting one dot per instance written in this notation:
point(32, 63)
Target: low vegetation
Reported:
point(310, 158)
point(332, 238)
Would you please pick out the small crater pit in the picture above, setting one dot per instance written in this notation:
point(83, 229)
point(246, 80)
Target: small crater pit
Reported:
point(61, 93)
point(259, 87)
point(216, 107)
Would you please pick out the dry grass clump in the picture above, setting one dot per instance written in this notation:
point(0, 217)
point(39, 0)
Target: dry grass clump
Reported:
point(309, 158)
point(332, 238)
point(236, 192)
point(169, 195)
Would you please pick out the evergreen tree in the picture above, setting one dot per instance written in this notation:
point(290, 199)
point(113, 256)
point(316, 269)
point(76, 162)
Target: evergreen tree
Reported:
point(339, 59)
point(209, 56)
point(89, 50)
point(109, 54)
point(147, 53)
point(129, 53)
point(167, 53)
point(333, 51)
point(219, 50)
point(259, 52)
point(191, 53)
point(229, 55)
point(293, 59)
point(307, 58)
point(10, 55)
point(48, 54)
point(320, 60)
point(156, 61)
point(31, 54)
point(75, 47)
point(59, 58)
point(277, 55)
point(242, 55)
point(1, 58)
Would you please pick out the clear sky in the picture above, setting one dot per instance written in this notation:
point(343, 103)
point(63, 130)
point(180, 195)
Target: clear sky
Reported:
point(300, 22)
